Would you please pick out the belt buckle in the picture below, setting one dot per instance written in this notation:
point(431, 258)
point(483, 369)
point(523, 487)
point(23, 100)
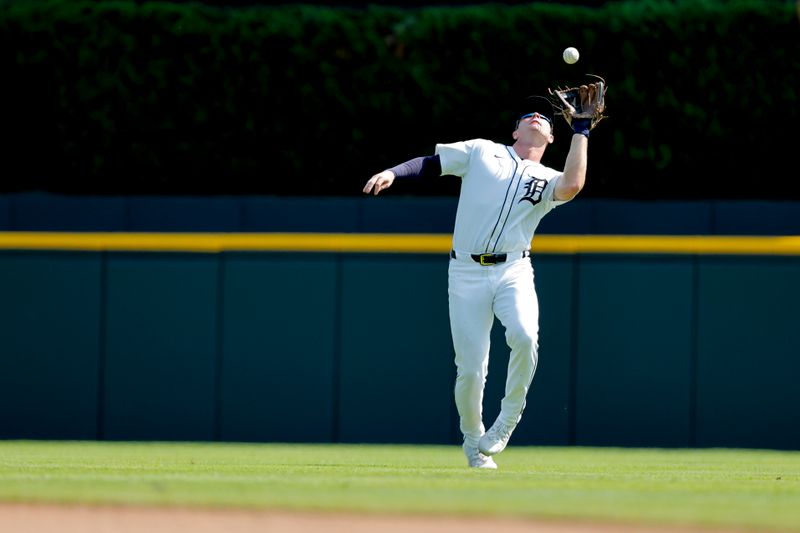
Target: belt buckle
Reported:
point(483, 258)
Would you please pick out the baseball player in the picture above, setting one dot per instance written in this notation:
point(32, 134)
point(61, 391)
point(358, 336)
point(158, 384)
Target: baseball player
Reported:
point(505, 192)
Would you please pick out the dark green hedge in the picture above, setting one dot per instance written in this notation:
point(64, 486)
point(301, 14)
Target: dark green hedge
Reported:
point(127, 97)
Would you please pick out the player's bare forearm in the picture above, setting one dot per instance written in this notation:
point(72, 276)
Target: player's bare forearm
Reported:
point(574, 176)
point(380, 181)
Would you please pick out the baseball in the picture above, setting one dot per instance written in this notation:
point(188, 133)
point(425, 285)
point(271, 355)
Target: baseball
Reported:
point(571, 55)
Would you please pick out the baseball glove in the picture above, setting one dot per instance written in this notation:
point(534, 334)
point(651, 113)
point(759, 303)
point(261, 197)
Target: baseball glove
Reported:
point(582, 105)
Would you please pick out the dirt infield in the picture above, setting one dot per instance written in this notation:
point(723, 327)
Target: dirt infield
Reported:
point(39, 518)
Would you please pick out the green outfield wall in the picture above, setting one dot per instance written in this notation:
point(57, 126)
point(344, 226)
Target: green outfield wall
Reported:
point(691, 343)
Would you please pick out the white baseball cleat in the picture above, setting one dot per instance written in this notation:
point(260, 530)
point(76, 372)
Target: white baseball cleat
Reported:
point(477, 460)
point(495, 440)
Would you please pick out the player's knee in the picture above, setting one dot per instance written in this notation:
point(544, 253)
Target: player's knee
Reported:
point(523, 337)
point(475, 376)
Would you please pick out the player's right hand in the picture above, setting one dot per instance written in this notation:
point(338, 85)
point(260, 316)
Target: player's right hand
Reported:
point(380, 181)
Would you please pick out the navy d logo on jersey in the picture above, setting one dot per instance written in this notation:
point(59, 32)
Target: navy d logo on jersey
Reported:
point(533, 191)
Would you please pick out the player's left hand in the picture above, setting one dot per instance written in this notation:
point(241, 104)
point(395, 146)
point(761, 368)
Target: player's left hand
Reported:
point(380, 181)
point(581, 106)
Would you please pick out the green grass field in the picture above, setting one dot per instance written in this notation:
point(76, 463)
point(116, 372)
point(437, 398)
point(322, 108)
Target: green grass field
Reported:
point(752, 489)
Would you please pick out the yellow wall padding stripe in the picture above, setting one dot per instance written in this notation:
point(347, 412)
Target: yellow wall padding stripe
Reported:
point(390, 243)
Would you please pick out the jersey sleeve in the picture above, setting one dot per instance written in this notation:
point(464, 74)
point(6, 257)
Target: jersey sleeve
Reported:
point(547, 196)
point(455, 157)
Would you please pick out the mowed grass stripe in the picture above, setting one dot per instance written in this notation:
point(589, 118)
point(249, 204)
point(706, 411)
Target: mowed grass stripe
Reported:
point(754, 489)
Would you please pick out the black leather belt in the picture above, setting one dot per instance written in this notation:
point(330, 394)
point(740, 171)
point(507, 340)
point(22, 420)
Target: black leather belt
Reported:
point(493, 259)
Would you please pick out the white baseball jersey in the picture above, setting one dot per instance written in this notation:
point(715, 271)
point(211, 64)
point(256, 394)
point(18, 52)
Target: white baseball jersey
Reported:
point(503, 197)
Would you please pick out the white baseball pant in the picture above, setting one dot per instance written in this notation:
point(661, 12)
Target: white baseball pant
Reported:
point(477, 294)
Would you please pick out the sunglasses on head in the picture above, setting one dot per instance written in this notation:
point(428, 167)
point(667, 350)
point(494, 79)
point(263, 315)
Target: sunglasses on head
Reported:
point(529, 115)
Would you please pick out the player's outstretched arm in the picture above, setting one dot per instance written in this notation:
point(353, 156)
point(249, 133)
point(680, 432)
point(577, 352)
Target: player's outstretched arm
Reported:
point(574, 177)
point(380, 181)
point(414, 168)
